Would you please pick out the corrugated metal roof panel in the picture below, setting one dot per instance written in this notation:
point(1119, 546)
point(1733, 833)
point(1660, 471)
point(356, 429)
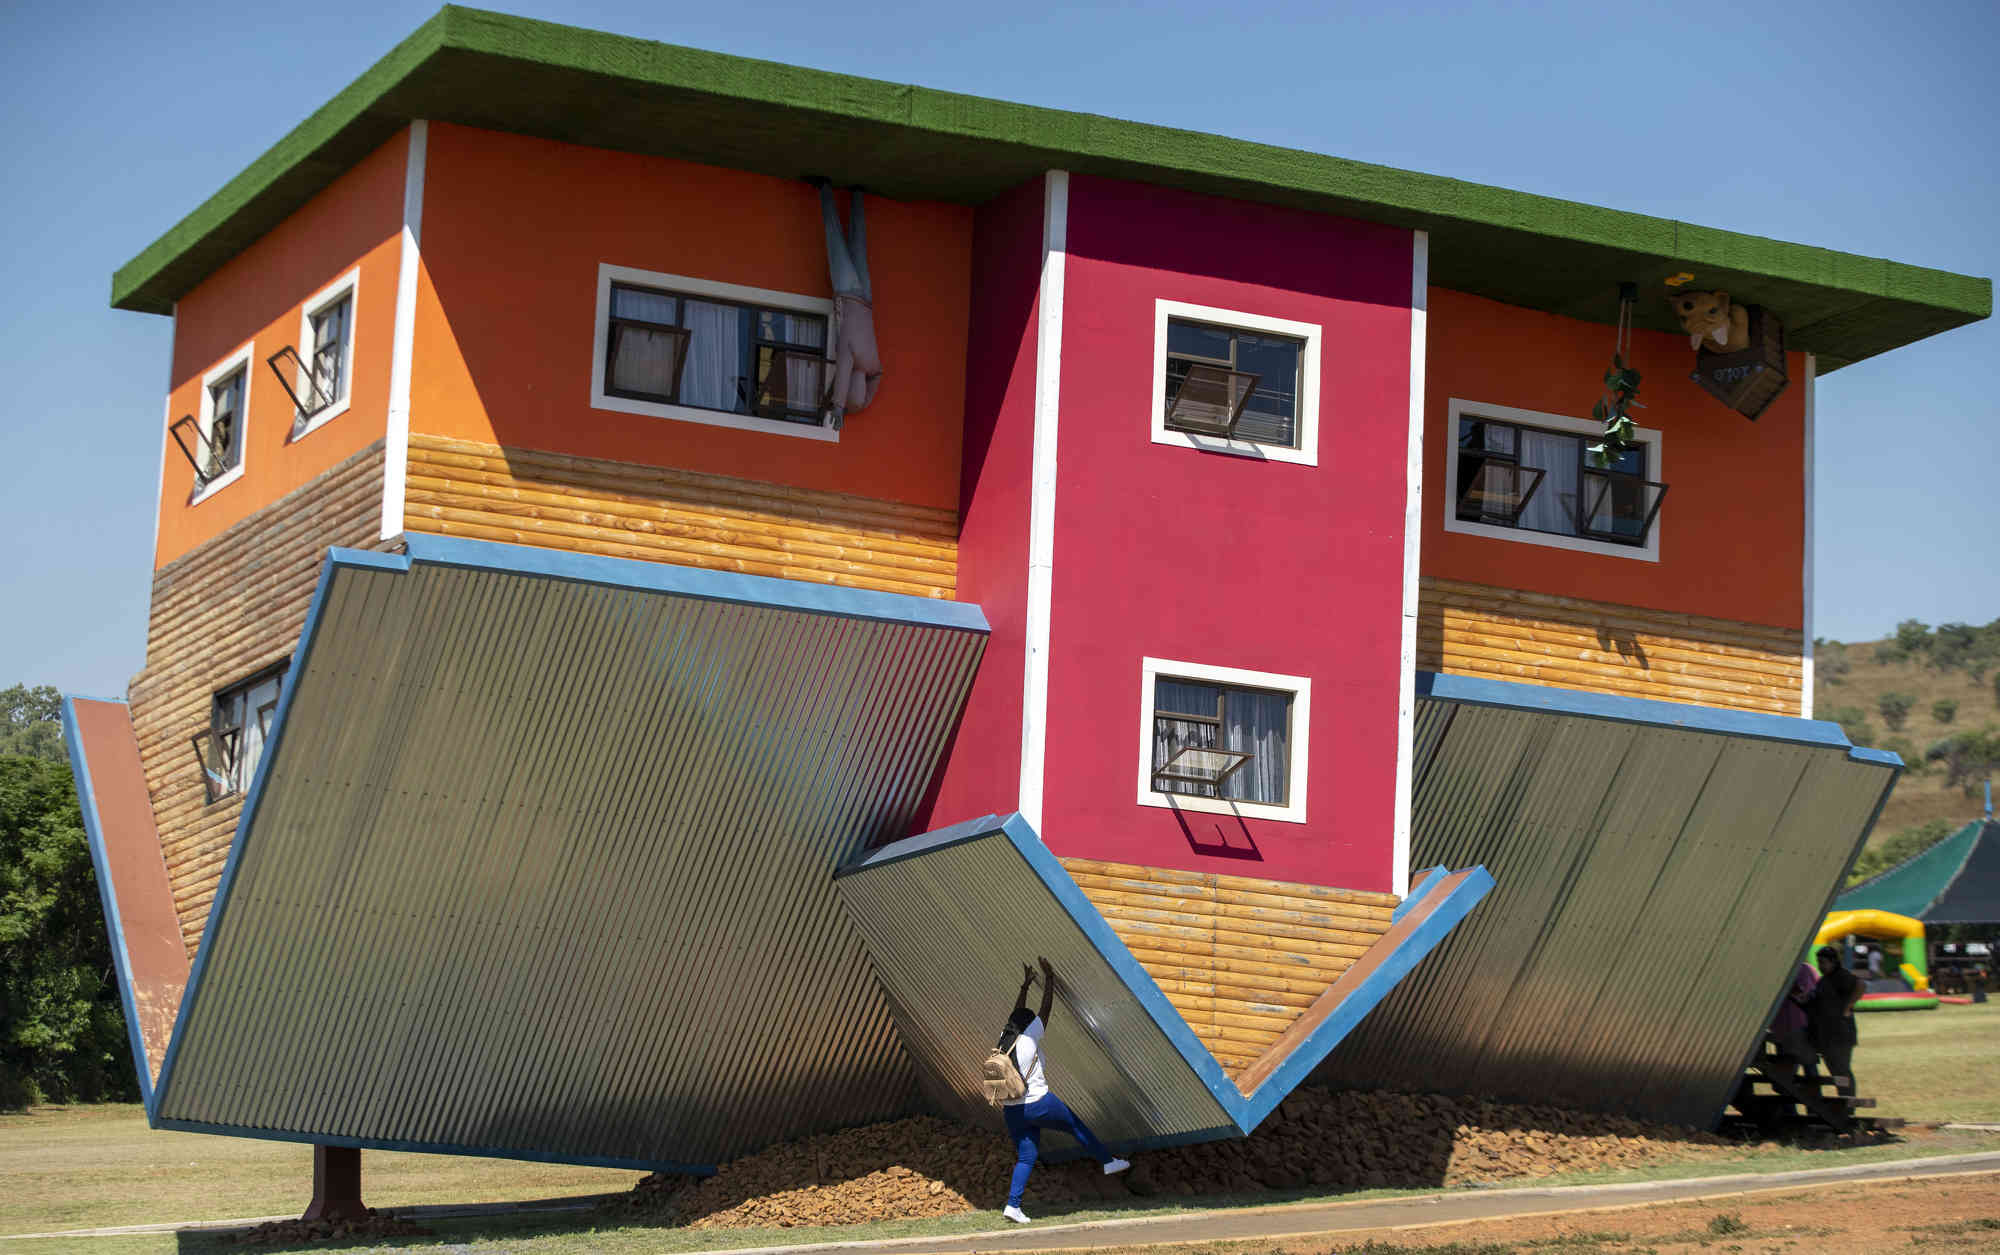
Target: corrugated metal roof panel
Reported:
point(1658, 868)
point(540, 861)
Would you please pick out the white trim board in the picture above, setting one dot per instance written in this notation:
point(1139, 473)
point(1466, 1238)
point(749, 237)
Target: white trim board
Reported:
point(1413, 522)
point(688, 286)
point(349, 286)
point(240, 360)
point(396, 440)
point(1299, 747)
point(1042, 496)
point(1656, 469)
point(1806, 560)
point(1306, 411)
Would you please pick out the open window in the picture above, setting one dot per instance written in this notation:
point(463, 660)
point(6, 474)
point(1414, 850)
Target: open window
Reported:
point(213, 442)
point(677, 347)
point(1230, 382)
point(1223, 739)
point(239, 726)
point(1527, 476)
point(317, 375)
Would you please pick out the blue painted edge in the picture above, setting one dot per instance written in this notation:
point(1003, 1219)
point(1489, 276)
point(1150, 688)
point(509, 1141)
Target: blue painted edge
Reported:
point(1880, 758)
point(1475, 691)
point(336, 559)
point(1451, 908)
point(435, 1148)
point(93, 831)
point(1083, 912)
point(925, 843)
point(1425, 880)
point(660, 577)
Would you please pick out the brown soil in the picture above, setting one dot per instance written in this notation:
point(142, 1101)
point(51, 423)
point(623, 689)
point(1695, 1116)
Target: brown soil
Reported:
point(1959, 1214)
point(368, 1227)
point(1316, 1139)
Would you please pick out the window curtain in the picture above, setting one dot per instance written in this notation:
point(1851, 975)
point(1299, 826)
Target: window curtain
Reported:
point(251, 719)
point(1170, 736)
point(642, 360)
point(715, 356)
point(1555, 504)
point(1259, 724)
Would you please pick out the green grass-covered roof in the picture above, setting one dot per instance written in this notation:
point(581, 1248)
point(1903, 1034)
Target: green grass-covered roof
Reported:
point(561, 82)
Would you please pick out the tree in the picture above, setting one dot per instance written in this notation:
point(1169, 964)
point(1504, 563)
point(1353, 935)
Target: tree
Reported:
point(1968, 757)
point(1944, 710)
point(62, 1034)
point(31, 723)
point(1905, 845)
point(1913, 636)
point(1895, 708)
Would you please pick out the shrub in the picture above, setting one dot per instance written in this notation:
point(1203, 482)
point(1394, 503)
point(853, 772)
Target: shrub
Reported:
point(1944, 710)
point(1968, 757)
point(1853, 722)
point(1890, 652)
point(1895, 708)
point(1913, 636)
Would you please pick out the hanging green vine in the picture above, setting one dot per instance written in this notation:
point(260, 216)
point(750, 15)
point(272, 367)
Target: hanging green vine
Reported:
point(1621, 389)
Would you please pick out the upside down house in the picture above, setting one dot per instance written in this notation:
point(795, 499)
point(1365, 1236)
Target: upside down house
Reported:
point(676, 575)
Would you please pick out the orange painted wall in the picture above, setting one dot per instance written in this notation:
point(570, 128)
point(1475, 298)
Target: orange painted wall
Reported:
point(514, 230)
point(1733, 522)
point(257, 296)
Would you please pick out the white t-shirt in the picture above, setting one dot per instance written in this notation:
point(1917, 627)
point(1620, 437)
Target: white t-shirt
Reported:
point(1028, 1058)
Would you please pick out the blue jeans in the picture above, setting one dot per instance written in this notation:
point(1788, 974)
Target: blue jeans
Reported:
point(1025, 1123)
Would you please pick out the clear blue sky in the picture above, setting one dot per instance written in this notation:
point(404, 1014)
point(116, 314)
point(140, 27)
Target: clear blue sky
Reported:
point(1850, 126)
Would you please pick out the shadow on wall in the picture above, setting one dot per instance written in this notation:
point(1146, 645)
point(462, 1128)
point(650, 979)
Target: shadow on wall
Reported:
point(1218, 836)
point(1626, 642)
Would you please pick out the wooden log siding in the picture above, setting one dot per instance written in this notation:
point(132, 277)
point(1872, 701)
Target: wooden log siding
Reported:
point(221, 613)
point(1239, 958)
point(459, 488)
point(1564, 642)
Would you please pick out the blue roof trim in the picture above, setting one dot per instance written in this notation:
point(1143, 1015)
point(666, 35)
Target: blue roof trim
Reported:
point(661, 577)
point(910, 847)
point(1448, 907)
point(1083, 912)
point(336, 560)
point(1880, 758)
point(435, 1148)
point(1475, 691)
point(93, 831)
point(1424, 882)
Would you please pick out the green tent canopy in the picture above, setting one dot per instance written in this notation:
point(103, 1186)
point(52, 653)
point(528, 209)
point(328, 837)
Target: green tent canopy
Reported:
point(1956, 881)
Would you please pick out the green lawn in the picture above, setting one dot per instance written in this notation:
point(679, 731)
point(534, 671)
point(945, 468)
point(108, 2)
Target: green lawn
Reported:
point(1931, 1065)
point(88, 1167)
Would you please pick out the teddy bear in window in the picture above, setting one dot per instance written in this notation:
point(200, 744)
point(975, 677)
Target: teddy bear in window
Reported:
point(1712, 321)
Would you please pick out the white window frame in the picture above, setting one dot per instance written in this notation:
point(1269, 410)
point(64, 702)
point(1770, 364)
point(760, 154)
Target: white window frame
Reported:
point(1655, 470)
point(688, 286)
point(1300, 687)
point(1307, 415)
point(239, 360)
point(349, 286)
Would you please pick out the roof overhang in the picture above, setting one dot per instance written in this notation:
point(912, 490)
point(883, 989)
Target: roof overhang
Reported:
point(539, 861)
point(1660, 868)
point(560, 82)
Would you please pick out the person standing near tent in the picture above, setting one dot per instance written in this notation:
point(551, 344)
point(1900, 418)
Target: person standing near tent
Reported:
point(1831, 1011)
point(1037, 1108)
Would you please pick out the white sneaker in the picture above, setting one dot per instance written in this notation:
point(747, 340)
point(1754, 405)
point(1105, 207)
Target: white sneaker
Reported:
point(1116, 1165)
point(1015, 1214)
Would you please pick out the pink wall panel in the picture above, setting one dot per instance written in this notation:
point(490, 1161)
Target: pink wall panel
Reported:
point(1226, 561)
point(982, 770)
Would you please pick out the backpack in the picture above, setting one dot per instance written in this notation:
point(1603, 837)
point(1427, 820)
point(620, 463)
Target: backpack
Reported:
point(999, 1076)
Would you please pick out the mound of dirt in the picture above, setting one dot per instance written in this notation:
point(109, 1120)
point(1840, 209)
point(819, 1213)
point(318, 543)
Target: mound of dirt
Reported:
point(1317, 1138)
point(373, 1225)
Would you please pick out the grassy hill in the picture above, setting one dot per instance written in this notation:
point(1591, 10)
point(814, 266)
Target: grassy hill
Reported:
point(1955, 663)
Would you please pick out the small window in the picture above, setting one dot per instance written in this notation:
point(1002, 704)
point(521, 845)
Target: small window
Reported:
point(1237, 383)
point(1241, 385)
point(318, 374)
point(1512, 475)
point(1222, 739)
point(682, 349)
point(239, 726)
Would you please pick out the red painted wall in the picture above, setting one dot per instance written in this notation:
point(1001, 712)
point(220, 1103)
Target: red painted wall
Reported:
point(1207, 558)
point(514, 229)
point(1732, 536)
point(982, 769)
point(256, 296)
